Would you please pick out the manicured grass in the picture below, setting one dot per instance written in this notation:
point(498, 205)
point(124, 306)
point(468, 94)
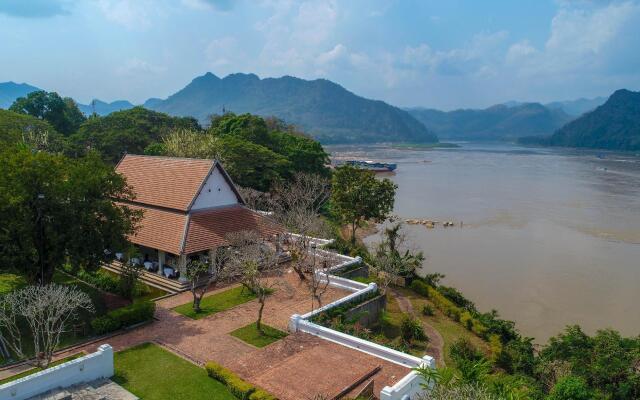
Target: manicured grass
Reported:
point(152, 373)
point(34, 370)
point(10, 282)
point(218, 302)
point(251, 335)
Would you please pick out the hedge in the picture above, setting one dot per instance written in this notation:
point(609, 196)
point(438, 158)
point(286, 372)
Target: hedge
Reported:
point(123, 317)
point(450, 308)
point(238, 387)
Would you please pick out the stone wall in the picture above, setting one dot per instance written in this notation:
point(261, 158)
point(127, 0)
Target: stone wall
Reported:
point(368, 313)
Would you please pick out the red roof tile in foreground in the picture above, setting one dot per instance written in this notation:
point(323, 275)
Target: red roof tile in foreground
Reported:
point(159, 229)
point(207, 229)
point(164, 181)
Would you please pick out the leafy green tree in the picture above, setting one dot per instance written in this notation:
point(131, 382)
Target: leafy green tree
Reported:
point(127, 131)
point(56, 210)
point(62, 113)
point(35, 133)
point(305, 154)
point(249, 127)
point(251, 164)
point(571, 388)
point(358, 196)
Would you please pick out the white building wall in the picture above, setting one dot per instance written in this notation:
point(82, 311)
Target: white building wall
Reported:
point(94, 366)
point(216, 192)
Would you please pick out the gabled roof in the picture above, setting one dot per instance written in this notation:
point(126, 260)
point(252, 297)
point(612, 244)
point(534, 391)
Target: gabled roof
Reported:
point(176, 232)
point(166, 182)
point(208, 229)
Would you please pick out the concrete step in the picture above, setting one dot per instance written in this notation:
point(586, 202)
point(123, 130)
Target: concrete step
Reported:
point(153, 279)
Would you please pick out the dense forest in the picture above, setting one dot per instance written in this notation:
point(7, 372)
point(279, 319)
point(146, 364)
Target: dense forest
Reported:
point(615, 125)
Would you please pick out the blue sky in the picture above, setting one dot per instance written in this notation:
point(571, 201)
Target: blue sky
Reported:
point(443, 54)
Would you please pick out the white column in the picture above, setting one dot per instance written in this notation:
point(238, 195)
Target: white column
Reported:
point(182, 267)
point(160, 262)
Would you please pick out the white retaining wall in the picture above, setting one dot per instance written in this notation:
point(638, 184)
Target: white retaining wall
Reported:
point(84, 369)
point(405, 388)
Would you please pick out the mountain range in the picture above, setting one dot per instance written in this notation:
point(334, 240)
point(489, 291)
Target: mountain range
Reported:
point(320, 107)
point(333, 114)
point(614, 125)
point(499, 122)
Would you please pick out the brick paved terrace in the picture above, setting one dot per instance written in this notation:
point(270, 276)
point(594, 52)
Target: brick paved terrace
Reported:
point(296, 367)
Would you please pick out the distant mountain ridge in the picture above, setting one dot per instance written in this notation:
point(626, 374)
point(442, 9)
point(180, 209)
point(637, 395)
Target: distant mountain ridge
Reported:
point(614, 125)
point(574, 108)
point(102, 108)
point(10, 91)
point(498, 122)
point(322, 108)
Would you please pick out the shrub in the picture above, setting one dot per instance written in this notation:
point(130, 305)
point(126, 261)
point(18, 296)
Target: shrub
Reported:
point(411, 329)
point(466, 320)
point(427, 310)
point(420, 287)
point(104, 324)
point(260, 394)
point(463, 350)
point(571, 388)
point(123, 317)
point(238, 387)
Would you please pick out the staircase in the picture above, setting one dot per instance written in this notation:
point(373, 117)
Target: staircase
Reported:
point(152, 279)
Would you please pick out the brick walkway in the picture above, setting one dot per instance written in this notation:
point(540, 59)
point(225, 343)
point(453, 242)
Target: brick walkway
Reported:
point(294, 368)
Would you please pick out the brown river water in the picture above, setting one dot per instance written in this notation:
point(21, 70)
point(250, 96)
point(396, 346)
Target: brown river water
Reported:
point(549, 238)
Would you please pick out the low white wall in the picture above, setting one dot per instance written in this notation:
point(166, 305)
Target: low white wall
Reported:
point(411, 384)
point(84, 369)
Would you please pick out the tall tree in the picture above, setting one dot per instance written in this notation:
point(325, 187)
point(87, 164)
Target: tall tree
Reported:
point(62, 113)
point(358, 196)
point(128, 131)
point(55, 210)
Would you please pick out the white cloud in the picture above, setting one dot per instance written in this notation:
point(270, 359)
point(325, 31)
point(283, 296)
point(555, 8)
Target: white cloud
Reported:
point(137, 67)
point(132, 14)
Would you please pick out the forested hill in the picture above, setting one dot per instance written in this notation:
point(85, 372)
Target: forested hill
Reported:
point(10, 91)
point(322, 108)
point(614, 125)
point(498, 122)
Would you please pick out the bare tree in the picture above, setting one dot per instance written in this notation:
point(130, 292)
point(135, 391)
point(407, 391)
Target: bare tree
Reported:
point(255, 199)
point(296, 205)
point(256, 266)
point(203, 275)
point(46, 310)
point(393, 257)
point(320, 278)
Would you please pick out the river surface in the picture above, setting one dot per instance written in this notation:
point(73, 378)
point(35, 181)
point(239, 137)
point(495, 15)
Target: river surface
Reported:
point(549, 238)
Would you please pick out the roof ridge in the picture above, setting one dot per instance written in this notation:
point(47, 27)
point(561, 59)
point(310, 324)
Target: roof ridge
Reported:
point(212, 160)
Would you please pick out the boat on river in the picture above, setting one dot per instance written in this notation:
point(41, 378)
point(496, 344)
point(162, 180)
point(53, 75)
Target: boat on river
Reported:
point(372, 165)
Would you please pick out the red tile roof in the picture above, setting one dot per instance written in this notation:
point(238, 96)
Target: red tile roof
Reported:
point(208, 229)
point(165, 229)
point(164, 181)
point(159, 229)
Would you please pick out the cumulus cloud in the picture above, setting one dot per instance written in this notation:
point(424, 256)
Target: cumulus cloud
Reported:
point(35, 8)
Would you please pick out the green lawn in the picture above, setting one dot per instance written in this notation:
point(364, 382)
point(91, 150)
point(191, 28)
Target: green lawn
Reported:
point(251, 335)
point(34, 370)
point(218, 302)
point(10, 282)
point(152, 373)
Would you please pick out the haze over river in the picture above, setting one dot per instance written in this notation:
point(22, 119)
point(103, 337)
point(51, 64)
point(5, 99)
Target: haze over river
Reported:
point(550, 237)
